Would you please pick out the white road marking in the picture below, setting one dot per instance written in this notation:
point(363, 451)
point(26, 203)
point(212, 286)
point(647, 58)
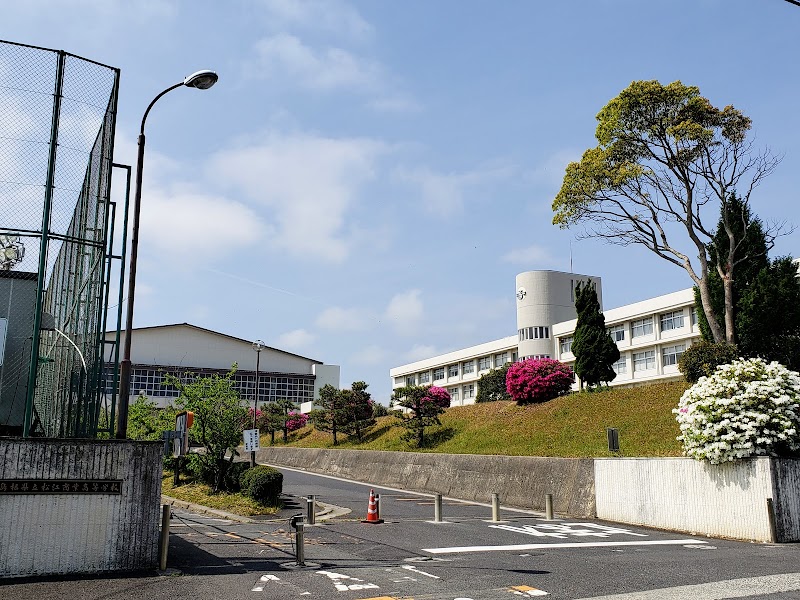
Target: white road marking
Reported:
point(460, 549)
point(259, 586)
point(717, 590)
point(526, 590)
point(562, 530)
point(338, 580)
point(414, 569)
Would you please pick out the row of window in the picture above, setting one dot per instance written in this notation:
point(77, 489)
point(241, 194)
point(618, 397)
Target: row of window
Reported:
point(534, 333)
point(646, 360)
point(639, 327)
point(467, 392)
point(484, 363)
point(150, 382)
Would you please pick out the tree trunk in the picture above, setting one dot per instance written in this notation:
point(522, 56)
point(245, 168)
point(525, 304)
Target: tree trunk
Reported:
point(334, 436)
point(730, 332)
point(705, 300)
point(285, 434)
point(272, 437)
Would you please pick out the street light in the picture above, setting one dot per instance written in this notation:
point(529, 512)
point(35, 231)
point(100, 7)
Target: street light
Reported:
point(201, 80)
point(258, 346)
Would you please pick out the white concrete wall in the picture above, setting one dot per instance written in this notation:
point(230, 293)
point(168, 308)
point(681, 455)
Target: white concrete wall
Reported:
point(71, 533)
point(683, 494)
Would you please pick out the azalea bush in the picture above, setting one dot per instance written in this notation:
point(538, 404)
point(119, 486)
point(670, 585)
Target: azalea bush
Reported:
point(746, 408)
point(538, 380)
point(296, 421)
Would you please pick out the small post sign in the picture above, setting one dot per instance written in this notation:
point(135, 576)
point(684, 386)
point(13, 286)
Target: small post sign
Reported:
point(252, 440)
point(183, 421)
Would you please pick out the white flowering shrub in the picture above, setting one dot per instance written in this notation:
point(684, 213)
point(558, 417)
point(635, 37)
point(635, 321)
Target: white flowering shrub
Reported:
point(746, 408)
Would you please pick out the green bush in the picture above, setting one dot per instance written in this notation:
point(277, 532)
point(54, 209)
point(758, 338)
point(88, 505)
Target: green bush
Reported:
point(263, 484)
point(703, 358)
point(379, 410)
point(234, 475)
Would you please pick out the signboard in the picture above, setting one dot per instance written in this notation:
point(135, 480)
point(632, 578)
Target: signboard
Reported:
point(3, 330)
point(183, 421)
point(252, 440)
point(61, 486)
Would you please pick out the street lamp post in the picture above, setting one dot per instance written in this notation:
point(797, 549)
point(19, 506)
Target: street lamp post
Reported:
point(258, 346)
point(201, 80)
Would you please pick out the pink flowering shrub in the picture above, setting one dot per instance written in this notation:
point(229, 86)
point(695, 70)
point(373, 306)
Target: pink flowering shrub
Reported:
point(296, 421)
point(538, 380)
point(438, 396)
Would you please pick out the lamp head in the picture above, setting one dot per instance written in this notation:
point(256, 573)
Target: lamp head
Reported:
point(202, 80)
point(258, 345)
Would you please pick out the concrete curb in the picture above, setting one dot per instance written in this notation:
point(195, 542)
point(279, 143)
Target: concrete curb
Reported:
point(329, 511)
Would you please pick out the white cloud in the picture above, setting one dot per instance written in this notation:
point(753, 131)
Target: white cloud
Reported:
point(297, 339)
point(371, 355)
point(550, 173)
point(190, 225)
point(405, 311)
point(325, 15)
point(531, 256)
point(309, 184)
point(341, 319)
point(420, 351)
point(444, 193)
point(286, 57)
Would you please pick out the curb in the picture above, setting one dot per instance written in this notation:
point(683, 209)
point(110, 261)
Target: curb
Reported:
point(329, 511)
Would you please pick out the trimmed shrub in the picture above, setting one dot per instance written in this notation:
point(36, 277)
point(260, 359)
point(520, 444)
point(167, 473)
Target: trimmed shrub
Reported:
point(234, 475)
point(379, 410)
point(538, 380)
point(702, 358)
point(492, 385)
point(263, 484)
point(747, 408)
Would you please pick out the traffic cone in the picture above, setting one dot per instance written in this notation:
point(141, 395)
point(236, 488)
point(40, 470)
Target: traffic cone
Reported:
point(372, 512)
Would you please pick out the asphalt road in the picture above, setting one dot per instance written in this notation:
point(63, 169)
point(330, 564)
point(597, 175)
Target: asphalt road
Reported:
point(410, 557)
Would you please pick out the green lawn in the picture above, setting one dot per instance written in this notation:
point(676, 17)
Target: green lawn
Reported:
point(570, 426)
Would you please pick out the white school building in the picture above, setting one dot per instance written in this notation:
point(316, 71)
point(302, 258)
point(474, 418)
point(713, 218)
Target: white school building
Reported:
point(651, 336)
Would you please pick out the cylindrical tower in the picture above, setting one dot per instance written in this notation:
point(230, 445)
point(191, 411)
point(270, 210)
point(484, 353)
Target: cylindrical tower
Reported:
point(544, 298)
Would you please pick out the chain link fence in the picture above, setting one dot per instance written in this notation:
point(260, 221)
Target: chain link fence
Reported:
point(57, 119)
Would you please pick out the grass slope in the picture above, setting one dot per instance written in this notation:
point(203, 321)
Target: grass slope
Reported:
point(570, 426)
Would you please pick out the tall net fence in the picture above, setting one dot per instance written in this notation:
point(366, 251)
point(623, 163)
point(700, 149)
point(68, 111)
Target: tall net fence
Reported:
point(57, 119)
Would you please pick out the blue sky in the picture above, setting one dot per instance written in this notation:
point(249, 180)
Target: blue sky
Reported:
point(366, 179)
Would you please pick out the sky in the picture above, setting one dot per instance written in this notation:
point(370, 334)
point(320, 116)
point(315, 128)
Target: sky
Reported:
point(366, 179)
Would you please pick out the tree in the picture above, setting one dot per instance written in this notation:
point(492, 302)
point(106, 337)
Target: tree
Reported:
point(666, 156)
point(147, 422)
point(492, 385)
point(330, 416)
point(423, 406)
point(219, 418)
point(284, 414)
point(357, 406)
point(595, 352)
point(269, 419)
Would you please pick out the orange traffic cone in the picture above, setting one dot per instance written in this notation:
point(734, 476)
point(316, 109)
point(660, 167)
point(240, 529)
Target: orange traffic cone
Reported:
point(372, 512)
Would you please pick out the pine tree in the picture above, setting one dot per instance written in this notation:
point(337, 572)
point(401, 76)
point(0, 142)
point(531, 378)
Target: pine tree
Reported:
point(595, 352)
point(357, 406)
point(330, 416)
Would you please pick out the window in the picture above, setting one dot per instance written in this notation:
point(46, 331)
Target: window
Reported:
point(453, 394)
point(693, 316)
point(425, 377)
point(467, 367)
point(484, 363)
point(671, 354)
point(513, 357)
point(438, 374)
point(643, 361)
point(500, 360)
point(411, 381)
point(469, 391)
point(617, 332)
point(642, 327)
point(452, 371)
point(672, 320)
point(534, 333)
point(398, 380)
point(621, 366)
point(565, 344)
point(539, 356)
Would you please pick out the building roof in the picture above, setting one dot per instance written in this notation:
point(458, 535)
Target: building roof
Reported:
point(225, 335)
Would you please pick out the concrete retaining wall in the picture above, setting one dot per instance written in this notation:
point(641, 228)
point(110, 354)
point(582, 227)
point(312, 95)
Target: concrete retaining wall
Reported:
point(521, 481)
point(682, 494)
point(47, 532)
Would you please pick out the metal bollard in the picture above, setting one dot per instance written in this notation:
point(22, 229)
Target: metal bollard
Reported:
point(299, 541)
point(378, 505)
point(311, 507)
point(548, 507)
point(495, 507)
point(164, 545)
point(437, 508)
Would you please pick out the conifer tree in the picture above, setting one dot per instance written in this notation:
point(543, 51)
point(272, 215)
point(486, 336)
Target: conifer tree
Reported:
point(595, 352)
point(357, 406)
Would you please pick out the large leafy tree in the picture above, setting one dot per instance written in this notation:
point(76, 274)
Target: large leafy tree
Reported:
point(423, 404)
point(219, 418)
point(357, 406)
point(595, 352)
point(665, 157)
point(492, 385)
